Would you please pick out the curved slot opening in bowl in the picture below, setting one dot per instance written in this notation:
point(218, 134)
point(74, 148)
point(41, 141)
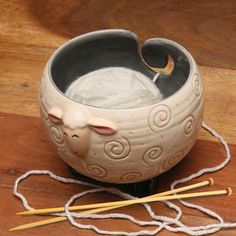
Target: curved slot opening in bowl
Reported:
point(119, 49)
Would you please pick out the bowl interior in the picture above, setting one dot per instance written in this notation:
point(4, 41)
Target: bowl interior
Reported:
point(118, 48)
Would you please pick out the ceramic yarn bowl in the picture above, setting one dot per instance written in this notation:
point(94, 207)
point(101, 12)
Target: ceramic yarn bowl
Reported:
point(122, 145)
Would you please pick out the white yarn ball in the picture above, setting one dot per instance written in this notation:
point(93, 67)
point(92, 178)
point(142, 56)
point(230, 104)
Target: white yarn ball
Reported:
point(114, 87)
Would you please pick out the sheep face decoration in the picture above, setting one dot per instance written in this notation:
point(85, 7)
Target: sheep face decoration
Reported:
point(76, 127)
point(122, 145)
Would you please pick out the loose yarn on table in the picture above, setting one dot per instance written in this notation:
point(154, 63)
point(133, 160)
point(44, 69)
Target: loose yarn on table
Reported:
point(162, 222)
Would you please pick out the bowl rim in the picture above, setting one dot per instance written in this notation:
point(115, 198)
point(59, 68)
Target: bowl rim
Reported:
point(121, 32)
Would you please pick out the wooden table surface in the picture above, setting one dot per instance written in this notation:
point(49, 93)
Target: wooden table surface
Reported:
point(31, 30)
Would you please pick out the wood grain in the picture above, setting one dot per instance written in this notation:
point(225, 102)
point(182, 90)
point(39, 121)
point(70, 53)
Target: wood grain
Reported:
point(25, 146)
point(31, 30)
point(206, 28)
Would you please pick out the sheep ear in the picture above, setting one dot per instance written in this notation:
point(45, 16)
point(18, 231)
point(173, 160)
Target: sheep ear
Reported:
point(55, 115)
point(102, 126)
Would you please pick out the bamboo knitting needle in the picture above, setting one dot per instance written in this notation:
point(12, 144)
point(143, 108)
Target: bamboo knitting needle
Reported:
point(227, 191)
point(210, 182)
point(57, 219)
point(150, 199)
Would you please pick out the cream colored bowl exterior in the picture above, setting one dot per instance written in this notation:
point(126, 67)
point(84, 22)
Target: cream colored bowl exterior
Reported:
point(149, 140)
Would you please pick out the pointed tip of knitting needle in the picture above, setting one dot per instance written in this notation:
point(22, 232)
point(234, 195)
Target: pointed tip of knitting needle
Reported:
point(13, 229)
point(22, 213)
point(21, 227)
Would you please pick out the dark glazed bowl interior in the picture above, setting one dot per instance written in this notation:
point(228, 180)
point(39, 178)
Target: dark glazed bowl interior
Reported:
point(119, 48)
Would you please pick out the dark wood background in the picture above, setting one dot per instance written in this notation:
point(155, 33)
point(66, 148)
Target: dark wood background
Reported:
point(31, 30)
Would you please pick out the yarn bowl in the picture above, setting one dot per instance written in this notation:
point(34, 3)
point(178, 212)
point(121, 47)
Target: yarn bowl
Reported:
point(122, 145)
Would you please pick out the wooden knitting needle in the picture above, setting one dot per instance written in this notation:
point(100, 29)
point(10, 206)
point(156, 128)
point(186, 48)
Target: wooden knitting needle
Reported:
point(57, 219)
point(227, 191)
point(149, 199)
point(210, 182)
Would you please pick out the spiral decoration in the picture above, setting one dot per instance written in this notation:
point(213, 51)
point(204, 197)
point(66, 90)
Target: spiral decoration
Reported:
point(131, 177)
point(188, 125)
point(96, 171)
point(173, 160)
point(159, 117)
point(55, 132)
point(152, 154)
point(197, 86)
point(117, 149)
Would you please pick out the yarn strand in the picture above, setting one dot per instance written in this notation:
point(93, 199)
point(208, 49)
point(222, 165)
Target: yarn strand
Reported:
point(159, 221)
